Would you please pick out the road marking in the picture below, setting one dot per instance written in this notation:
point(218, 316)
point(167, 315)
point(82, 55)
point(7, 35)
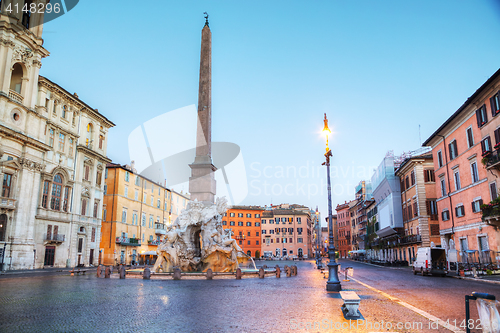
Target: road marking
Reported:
point(411, 307)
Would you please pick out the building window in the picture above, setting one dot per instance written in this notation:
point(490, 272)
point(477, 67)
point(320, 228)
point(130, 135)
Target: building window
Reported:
point(64, 111)
point(257, 224)
point(158, 203)
point(299, 220)
point(452, 148)
point(470, 137)
point(240, 214)
point(482, 241)
point(96, 207)
point(495, 104)
point(101, 141)
point(124, 216)
point(55, 201)
point(240, 224)
point(440, 158)
point(257, 234)
point(443, 187)
point(432, 209)
point(51, 137)
point(264, 231)
point(476, 205)
point(257, 216)
point(224, 222)
point(45, 193)
point(493, 191)
point(473, 170)
point(256, 242)
point(486, 145)
point(86, 172)
point(429, 175)
point(66, 199)
point(249, 224)
point(459, 211)
point(481, 116)
point(7, 180)
point(412, 176)
point(445, 215)
point(231, 223)
point(249, 215)
point(127, 176)
point(299, 240)
point(152, 200)
point(71, 143)
point(143, 222)
point(456, 175)
point(84, 207)
point(62, 140)
point(231, 214)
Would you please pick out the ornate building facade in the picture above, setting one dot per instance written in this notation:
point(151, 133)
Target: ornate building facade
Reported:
point(53, 156)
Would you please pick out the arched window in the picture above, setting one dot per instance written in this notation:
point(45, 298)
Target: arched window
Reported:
point(3, 226)
point(55, 201)
point(90, 129)
point(64, 111)
point(16, 80)
point(101, 140)
point(249, 253)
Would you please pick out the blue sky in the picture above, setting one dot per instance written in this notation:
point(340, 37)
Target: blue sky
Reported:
point(379, 69)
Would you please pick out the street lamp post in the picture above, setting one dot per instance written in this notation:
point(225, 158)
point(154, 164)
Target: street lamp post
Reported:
point(333, 283)
point(319, 264)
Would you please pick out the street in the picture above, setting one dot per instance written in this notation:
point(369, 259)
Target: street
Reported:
point(63, 303)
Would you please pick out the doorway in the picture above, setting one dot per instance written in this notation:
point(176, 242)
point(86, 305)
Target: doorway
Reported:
point(49, 255)
point(91, 257)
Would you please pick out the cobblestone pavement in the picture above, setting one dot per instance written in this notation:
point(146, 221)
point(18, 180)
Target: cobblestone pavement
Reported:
point(86, 304)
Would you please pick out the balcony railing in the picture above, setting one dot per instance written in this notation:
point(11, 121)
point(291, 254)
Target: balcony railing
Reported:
point(7, 203)
point(160, 229)
point(128, 241)
point(15, 96)
point(58, 238)
point(154, 242)
point(491, 213)
point(411, 239)
point(492, 160)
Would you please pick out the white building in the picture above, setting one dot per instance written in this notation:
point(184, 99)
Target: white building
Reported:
point(53, 156)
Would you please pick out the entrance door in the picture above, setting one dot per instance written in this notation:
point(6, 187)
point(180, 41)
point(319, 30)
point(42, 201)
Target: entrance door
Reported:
point(49, 255)
point(300, 253)
point(284, 252)
point(91, 258)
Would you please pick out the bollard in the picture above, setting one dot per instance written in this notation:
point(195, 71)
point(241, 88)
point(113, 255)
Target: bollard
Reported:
point(288, 271)
point(99, 271)
point(122, 272)
point(294, 270)
point(210, 274)
point(146, 274)
point(278, 271)
point(261, 273)
point(107, 272)
point(177, 274)
point(238, 274)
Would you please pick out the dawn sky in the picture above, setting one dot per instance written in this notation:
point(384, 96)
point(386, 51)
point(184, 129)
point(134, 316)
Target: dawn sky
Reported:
point(380, 70)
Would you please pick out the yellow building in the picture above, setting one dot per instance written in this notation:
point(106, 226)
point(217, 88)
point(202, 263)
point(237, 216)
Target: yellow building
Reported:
point(136, 212)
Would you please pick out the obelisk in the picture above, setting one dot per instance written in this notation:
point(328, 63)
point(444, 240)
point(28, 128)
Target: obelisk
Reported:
point(202, 180)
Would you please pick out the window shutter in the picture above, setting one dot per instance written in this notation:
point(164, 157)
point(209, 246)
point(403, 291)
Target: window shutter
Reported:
point(450, 151)
point(493, 107)
point(462, 208)
point(480, 202)
point(483, 149)
point(478, 117)
point(426, 176)
point(442, 216)
point(454, 143)
point(473, 207)
point(456, 211)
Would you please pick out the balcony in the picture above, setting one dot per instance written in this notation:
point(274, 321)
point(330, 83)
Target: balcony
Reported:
point(54, 239)
point(7, 203)
point(128, 241)
point(491, 213)
point(411, 239)
point(15, 96)
point(240, 237)
point(492, 160)
point(155, 242)
point(160, 229)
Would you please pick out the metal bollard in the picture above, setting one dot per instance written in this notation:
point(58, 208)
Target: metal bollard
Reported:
point(474, 296)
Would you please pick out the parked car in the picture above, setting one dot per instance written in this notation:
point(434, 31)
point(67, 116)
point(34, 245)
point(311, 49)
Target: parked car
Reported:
point(431, 261)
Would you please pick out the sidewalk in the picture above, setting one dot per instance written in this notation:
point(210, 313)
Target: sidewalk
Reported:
point(44, 271)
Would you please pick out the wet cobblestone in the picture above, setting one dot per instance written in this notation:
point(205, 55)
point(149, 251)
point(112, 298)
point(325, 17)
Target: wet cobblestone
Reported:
point(87, 304)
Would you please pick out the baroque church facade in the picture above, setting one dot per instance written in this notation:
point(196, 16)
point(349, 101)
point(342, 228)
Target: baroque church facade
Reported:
point(52, 157)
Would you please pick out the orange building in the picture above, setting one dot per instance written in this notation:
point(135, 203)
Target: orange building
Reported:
point(343, 229)
point(462, 150)
point(136, 212)
point(245, 224)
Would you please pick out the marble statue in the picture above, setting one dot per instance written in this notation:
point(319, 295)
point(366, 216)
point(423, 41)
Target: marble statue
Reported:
point(197, 241)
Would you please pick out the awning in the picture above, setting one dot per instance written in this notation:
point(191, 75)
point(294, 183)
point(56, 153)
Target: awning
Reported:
point(387, 231)
point(148, 253)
